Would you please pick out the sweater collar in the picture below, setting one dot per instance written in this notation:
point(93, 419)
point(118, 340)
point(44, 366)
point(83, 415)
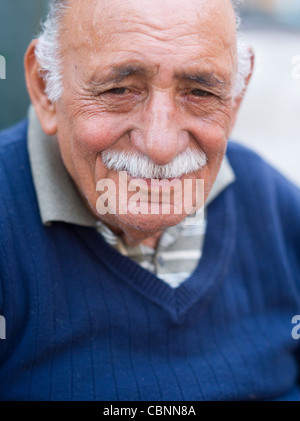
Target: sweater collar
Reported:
point(58, 197)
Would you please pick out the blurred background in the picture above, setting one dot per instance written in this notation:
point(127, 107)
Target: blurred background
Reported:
point(269, 120)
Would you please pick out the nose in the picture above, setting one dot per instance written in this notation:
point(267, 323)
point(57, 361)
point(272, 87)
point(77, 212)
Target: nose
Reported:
point(161, 136)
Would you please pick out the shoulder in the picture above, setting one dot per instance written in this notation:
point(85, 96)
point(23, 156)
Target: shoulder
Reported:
point(13, 135)
point(265, 196)
point(246, 162)
point(14, 161)
point(15, 170)
point(253, 172)
point(262, 186)
point(13, 151)
point(19, 213)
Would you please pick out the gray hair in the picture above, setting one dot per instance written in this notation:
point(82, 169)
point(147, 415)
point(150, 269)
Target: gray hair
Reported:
point(48, 54)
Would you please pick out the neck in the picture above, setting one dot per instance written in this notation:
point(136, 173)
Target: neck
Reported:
point(133, 237)
point(150, 241)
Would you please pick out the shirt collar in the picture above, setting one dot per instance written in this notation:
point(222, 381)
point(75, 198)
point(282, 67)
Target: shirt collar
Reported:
point(57, 195)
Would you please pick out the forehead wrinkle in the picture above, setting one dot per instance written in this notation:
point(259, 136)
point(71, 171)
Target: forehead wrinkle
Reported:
point(118, 41)
point(102, 31)
point(104, 19)
point(131, 13)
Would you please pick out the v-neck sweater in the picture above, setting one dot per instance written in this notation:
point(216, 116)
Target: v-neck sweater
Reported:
point(84, 322)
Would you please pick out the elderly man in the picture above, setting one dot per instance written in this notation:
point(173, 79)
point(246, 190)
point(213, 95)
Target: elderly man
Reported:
point(109, 301)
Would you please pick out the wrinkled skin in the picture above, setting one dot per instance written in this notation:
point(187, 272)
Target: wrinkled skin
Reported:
point(142, 75)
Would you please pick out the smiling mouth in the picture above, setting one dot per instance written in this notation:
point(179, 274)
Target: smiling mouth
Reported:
point(162, 182)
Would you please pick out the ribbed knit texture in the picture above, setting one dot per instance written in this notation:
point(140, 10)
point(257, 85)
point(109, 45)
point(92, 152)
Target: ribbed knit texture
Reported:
point(86, 323)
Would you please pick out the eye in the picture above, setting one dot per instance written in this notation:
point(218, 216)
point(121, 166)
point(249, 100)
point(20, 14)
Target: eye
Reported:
point(117, 91)
point(200, 93)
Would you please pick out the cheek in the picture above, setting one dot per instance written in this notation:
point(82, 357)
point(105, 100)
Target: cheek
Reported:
point(93, 135)
point(213, 140)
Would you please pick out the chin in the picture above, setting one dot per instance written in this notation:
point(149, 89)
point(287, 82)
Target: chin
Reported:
point(150, 223)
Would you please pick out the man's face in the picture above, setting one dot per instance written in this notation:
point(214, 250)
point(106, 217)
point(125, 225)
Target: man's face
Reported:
point(148, 76)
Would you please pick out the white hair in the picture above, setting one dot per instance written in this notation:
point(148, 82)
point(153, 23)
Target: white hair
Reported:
point(48, 54)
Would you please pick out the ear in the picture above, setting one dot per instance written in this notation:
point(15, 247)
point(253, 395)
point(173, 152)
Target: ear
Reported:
point(45, 110)
point(238, 100)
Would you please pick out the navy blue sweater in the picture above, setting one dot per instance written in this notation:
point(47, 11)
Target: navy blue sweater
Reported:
point(86, 323)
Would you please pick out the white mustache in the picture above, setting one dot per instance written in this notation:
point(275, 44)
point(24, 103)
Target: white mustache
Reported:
point(138, 165)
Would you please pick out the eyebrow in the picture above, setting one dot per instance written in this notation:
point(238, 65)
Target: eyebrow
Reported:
point(118, 74)
point(205, 79)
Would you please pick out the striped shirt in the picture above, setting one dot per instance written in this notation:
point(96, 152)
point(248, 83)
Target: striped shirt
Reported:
point(176, 255)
